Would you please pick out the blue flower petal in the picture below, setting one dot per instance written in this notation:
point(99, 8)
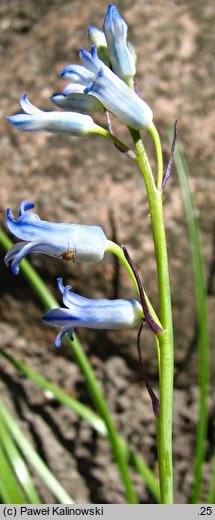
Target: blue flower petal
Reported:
point(115, 29)
point(77, 73)
point(28, 108)
point(91, 61)
point(93, 313)
point(76, 242)
point(96, 37)
point(33, 119)
point(60, 317)
point(60, 336)
point(22, 249)
point(25, 206)
point(114, 94)
point(68, 297)
point(77, 101)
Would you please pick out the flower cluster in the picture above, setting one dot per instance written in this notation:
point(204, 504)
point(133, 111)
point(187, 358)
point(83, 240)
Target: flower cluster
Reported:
point(103, 81)
point(78, 243)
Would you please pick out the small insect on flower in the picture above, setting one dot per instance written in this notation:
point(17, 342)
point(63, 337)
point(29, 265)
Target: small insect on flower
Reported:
point(68, 254)
point(70, 242)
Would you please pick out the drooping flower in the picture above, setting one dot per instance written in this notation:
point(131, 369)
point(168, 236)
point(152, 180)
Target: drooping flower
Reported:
point(111, 91)
point(115, 30)
point(34, 120)
point(74, 98)
point(76, 242)
point(92, 313)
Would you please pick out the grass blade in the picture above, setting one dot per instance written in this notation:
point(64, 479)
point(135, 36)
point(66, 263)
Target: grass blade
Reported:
point(211, 492)
point(10, 491)
point(18, 465)
point(80, 409)
point(88, 415)
point(202, 321)
point(33, 458)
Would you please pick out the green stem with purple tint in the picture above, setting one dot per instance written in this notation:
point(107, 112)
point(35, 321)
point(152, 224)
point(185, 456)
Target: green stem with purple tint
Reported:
point(164, 338)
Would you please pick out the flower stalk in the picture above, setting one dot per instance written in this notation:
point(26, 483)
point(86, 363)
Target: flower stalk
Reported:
point(114, 248)
point(165, 340)
point(158, 150)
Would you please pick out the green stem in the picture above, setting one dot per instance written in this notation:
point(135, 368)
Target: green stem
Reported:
point(158, 149)
point(49, 302)
point(164, 425)
point(114, 248)
point(119, 144)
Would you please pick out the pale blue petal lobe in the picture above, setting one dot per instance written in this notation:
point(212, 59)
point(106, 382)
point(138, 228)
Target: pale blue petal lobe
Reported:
point(115, 29)
point(119, 99)
point(93, 313)
point(79, 102)
point(75, 242)
point(35, 120)
point(77, 73)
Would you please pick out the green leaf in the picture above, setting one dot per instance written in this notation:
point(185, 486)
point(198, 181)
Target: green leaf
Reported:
point(211, 491)
point(10, 490)
point(202, 320)
point(33, 458)
point(18, 465)
point(89, 416)
point(80, 409)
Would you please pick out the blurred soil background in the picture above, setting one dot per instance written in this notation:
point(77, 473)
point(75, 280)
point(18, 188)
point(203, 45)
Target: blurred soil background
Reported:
point(86, 180)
